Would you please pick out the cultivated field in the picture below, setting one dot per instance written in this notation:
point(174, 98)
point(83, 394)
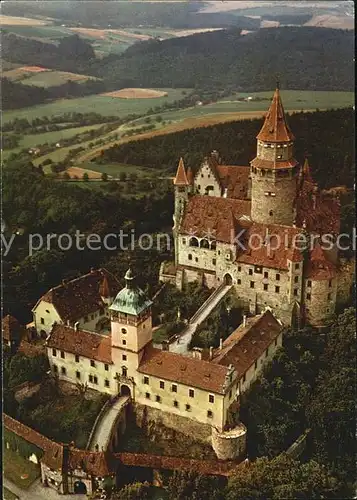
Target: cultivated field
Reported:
point(22, 21)
point(77, 172)
point(106, 106)
point(136, 93)
point(53, 78)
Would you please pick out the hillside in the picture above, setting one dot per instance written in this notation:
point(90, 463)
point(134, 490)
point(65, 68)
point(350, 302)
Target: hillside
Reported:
point(303, 57)
point(331, 154)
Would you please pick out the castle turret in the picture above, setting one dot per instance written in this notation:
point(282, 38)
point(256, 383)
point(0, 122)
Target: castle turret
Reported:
point(274, 171)
point(182, 189)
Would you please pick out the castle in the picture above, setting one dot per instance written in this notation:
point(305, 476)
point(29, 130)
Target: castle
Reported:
point(197, 393)
point(261, 228)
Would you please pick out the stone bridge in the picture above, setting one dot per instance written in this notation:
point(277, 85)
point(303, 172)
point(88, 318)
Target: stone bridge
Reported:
point(110, 425)
point(181, 345)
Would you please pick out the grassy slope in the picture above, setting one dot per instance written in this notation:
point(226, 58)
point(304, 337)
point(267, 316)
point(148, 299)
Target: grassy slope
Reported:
point(51, 78)
point(99, 104)
point(15, 466)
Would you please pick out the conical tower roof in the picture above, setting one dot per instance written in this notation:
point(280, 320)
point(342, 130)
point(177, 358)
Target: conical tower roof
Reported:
point(306, 173)
point(190, 175)
point(181, 178)
point(275, 128)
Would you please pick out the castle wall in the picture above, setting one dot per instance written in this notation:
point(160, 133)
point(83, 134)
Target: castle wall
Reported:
point(274, 151)
point(231, 444)
point(148, 389)
point(320, 300)
point(44, 315)
point(99, 373)
point(345, 279)
point(202, 258)
point(273, 197)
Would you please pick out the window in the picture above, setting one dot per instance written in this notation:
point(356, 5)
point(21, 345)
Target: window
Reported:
point(42, 321)
point(124, 342)
point(174, 388)
point(176, 404)
point(297, 266)
point(252, 284)
point(76, 358)
point(308, 283)
point(330, 283)
point(78, 375)
point(162, 384)
point(209, 414)
point(146, 380)
point(95, 379)
point(276, 342)
point(250, 272)
point(258, 269)
point(106, 382)
point(329, 296)
point(124, 371)
point(196, 259)
point(158, 399)
point(184, 241)
point(230, 394)
point(55, 368)
point(244, 378)
point(211, 398)
point(277, 289)
point(54, 352)
point(189, 256)
point(265, 286)
point(62, 355)
point(266, 274)
point(271, 213)
point(106, 367)
point(124, 357)
point(296, 292)
point(188, 407)
point(239, 281)
point(214, 262)
point(63, 370)
point(277, 277)
point(123, 330)
point(255, 365)
point(308, 296)
point(90, 378)
point(92, 363)
point(47, 311)
point(191, 393)
point(296, 279)
point(147, 395)
point(239, 268)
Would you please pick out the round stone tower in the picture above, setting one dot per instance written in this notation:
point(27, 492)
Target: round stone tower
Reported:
point(274, 171)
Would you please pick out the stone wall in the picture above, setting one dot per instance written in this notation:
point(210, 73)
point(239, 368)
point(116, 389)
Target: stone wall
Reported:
point(199, 431)
point(321, 301)
point(345, 279)
point(231, 444)
point(273, 198)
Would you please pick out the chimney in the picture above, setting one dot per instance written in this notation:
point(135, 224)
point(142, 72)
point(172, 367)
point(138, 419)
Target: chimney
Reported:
point(215, 154)
point(92, 270)
point(197, 352)
point(225, 193)
point(68, 322)
point(220, 343)
point(76, 326)
point(210, 353)
point(244, 320)
point(64, 282)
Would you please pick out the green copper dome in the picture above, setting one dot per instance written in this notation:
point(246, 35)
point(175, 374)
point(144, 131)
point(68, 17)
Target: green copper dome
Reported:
point(131, 299)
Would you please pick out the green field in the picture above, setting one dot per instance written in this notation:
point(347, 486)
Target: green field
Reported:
point(52, 78)
point(293, 100)
point(16, 466)
point(106, 106)
point(35, 140)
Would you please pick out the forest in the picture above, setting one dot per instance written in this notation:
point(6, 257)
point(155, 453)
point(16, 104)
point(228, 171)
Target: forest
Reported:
point(324, 137)
point(305, 58)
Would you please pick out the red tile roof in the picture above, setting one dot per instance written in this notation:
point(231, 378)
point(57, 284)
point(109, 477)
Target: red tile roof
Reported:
point(269, 245)
point(190, 175)
point(181, 178)
point(53, 452)
point(11, 328)
point(319, 267)
point(88, 344)
point(104, 288)
point(235, 179)
point(192, 372)
point(320, 212)
point(94, 463)
point(214, 216)
point(275, 128)
point(79, 297)
point(248, 343)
